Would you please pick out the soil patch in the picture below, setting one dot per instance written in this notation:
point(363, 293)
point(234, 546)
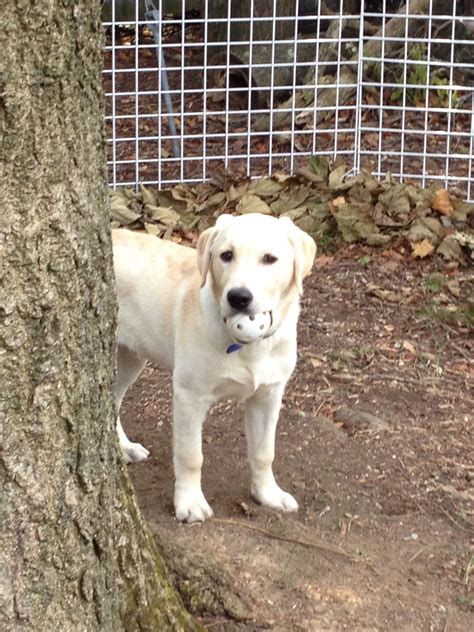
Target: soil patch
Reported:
point(375, 442)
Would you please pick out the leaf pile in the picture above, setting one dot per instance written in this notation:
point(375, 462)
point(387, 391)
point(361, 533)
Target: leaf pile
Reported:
point(321, 199)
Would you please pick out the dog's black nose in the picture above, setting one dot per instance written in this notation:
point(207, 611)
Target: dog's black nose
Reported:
point(239, 297)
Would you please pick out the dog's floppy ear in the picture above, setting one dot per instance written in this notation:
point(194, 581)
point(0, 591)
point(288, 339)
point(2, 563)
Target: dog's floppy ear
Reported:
point(204, 246)
point(304, 249)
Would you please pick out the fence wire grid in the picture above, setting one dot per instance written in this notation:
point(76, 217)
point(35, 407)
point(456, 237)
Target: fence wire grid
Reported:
point(199, 89)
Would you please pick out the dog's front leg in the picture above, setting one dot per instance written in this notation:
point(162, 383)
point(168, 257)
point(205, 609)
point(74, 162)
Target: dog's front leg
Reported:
point(189, 412)
point(261, 418)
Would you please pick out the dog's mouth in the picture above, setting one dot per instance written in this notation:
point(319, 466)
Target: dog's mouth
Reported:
point(238, 312)
point(250, 314)
point(238, 343)
point(270, 332)
point(251, 317)
point(242, 342)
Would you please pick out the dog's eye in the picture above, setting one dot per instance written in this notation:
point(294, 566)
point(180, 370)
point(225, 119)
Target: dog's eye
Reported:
point(268, 259)
point(227, 256)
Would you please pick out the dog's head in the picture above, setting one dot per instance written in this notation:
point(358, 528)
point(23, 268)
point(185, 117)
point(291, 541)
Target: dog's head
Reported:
point(254, 263)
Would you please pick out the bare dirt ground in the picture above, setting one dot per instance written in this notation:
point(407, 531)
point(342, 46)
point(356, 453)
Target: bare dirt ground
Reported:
point(375, 441)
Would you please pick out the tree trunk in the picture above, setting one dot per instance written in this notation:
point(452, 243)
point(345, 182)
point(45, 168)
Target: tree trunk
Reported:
point(76, 555)
point(240, 30)
point(257, 37)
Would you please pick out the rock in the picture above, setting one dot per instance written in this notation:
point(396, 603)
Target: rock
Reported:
point(354, 419)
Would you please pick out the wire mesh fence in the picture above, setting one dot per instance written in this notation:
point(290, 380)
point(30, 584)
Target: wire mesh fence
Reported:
point(196, 89)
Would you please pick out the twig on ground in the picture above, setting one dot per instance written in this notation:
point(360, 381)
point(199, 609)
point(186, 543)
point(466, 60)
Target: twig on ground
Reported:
point(461, 351)
point(469, 567)
point(417, 382)
point(418, 553)
point(323, 547)
point(469, 528)
point(320, 406)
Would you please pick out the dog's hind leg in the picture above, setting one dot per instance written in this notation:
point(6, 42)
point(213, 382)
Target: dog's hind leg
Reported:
point(129, 367)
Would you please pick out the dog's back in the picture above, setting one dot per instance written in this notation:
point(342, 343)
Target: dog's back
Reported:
point(152, 276)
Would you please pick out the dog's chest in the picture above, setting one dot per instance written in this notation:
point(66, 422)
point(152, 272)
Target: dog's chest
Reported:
point(240, 386)
point(239, 379)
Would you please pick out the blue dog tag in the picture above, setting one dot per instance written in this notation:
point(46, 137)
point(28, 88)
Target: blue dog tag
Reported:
point(233, 347)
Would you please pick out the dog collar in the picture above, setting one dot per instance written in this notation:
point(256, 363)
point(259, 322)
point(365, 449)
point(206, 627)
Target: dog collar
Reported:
point(233, 347)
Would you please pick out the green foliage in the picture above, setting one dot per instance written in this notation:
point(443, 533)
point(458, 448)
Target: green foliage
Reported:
point(328, 242)
point(434, 282)
point(454, 315)
point(365, 261)
point(417, 75)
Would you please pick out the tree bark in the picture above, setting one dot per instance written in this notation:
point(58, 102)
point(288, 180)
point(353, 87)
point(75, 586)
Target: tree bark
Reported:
point(76, 555)
point(256, 37)
point(240, 30)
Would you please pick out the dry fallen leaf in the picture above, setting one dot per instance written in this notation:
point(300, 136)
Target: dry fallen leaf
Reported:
point(422, 249)
point(387, 350)
point(121, 213)
point(323, 260)
point(321, 200)
point(148, 196)
point(383, 294)
point(339, 201)
point(428, 228)
point(441, 202)
point(153, 229)
point(319, 166)
point(354, 221)
point(450, 248)
point(454, 287)
point(252, 204)
point(162, 214)
point(265, 187)
point(409, 347)
point(336, 177)
point(461, 368)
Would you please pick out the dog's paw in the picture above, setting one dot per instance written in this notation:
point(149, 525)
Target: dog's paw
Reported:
point(275, 498)
point(134, 452)
point(191, 506)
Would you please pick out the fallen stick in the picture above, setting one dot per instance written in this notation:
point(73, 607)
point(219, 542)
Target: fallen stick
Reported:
point(323, 547)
